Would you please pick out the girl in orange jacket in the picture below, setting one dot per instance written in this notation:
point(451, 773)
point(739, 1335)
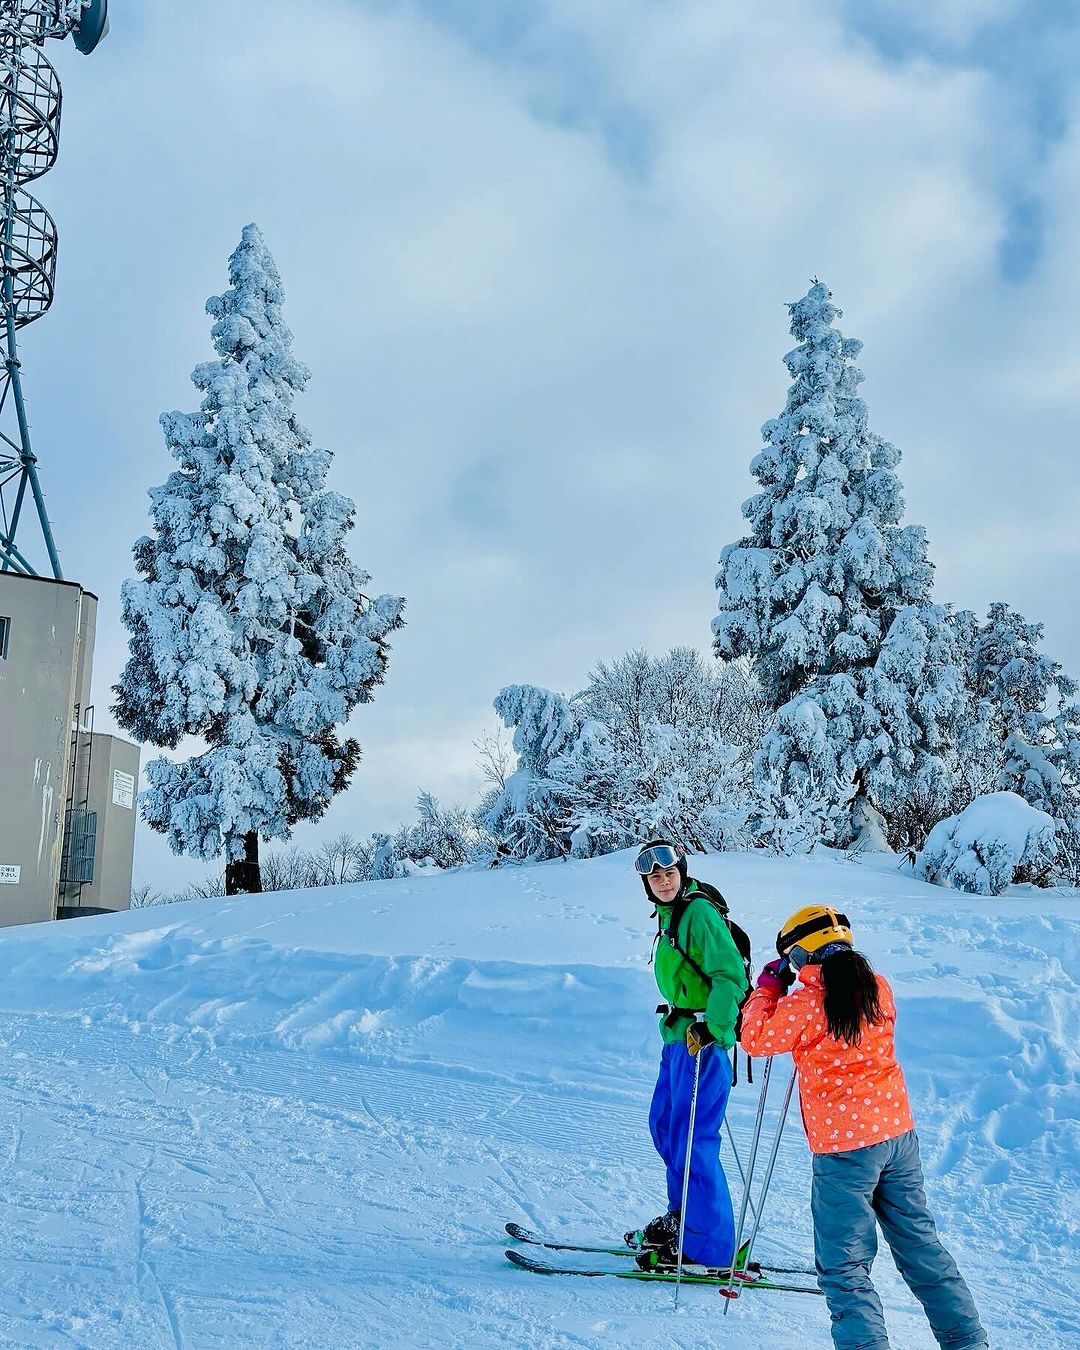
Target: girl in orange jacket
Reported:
point(838, 1029)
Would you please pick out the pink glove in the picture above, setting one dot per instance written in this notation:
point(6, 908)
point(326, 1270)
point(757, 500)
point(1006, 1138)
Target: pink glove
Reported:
point(777, 977)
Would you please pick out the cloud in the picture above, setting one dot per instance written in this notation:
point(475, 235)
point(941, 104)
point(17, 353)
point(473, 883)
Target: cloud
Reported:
point(949, 23)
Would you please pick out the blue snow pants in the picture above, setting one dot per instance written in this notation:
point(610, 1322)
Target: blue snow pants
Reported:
point(852, 1193)
point(710, 1224)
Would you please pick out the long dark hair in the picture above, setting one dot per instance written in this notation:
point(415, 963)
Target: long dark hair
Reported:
point(852, 1001)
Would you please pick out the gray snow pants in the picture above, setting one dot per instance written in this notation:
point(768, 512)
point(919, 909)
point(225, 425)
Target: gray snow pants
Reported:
point(852, 1193)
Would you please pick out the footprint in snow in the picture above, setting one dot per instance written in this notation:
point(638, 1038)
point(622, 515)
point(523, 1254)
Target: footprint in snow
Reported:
point(997, 1173)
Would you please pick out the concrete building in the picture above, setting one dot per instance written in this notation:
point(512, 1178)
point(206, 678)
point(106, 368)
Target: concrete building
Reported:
point(62, 788)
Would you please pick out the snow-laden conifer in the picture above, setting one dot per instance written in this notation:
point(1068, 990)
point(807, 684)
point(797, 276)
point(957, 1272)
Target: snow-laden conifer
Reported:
point(250, 626)
point(815, 585)
point(849, 749)
point(916, 711)
point(805, 771)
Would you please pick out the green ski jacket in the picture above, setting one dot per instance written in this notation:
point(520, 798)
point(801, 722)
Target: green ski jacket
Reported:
point(704, 935)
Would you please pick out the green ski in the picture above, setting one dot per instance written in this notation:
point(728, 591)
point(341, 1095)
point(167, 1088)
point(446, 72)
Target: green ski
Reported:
point(520, 1234)
point(691, 1274)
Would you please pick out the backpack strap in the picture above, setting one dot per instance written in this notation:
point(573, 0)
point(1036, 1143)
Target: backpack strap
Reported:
point(714, 896)
point(678, 912)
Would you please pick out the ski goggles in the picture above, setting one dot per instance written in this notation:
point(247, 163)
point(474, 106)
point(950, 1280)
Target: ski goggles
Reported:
point(799, 956)
point(660, 855)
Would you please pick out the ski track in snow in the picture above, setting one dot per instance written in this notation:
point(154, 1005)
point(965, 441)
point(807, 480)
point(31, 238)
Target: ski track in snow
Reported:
point(220, 1132)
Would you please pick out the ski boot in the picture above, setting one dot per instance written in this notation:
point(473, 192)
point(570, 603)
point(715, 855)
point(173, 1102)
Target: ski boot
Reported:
point(657, 1259)
point(666, 1258)
point(657, 1232)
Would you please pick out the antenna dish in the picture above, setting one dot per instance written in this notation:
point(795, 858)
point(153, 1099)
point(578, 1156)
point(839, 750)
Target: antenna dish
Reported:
point(91, 26)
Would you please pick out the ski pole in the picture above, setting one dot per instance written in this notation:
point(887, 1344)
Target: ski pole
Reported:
point(686, 1169)
point(738, 1162)
point(749, 1171)
point(769, 1169)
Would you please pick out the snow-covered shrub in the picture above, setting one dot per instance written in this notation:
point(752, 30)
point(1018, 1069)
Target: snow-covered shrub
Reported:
point(590, 780)
point(665, 748)
point(682, 782)
point(791, 821)
point(250, 625)
point(527, 817)
point(983, 849)
point(680, 690)
point(441, 838)
point(741, 714)
point(637, 753)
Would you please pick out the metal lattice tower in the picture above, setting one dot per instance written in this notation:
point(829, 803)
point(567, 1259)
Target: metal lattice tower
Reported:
point(29, 142)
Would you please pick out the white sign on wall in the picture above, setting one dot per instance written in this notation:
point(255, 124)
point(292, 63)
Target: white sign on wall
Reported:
point(9, 874)
point(123, 789)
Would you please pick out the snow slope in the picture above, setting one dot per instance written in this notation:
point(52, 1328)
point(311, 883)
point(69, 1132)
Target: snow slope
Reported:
point(302, 1119)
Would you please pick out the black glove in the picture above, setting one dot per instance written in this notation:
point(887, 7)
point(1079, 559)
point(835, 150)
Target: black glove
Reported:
point(698, 1036)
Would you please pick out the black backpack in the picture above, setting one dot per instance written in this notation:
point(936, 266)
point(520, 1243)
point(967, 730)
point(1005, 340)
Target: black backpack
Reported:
point(741, 939)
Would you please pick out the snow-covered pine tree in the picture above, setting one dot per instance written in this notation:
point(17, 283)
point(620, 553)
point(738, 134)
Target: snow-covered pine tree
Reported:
point(811, 593)
point(814, 587)
point(806, 769)
point(249, 623)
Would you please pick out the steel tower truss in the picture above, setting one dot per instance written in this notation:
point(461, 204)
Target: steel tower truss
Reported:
point(29, 141)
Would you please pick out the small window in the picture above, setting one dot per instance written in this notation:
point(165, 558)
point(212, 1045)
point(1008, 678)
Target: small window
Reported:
point(5, 629)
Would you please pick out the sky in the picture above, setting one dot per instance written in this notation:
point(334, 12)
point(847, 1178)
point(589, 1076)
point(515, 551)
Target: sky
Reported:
point(537, 257)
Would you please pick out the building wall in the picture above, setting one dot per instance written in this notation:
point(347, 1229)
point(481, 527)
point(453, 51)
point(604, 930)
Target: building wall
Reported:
point(84, 654)
point(112, 796)
point(45, 674)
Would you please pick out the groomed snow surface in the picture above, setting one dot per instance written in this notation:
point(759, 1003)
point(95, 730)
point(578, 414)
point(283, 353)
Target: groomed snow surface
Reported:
point(302, 1119)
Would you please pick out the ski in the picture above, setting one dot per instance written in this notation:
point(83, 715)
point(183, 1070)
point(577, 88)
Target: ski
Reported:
point(520, 1234)
point(718, 1279)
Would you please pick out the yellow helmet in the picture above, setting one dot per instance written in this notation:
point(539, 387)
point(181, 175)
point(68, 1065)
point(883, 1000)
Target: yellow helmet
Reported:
point(809, 930)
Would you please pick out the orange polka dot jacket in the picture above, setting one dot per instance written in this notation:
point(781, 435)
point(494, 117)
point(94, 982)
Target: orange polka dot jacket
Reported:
point(851, 1095)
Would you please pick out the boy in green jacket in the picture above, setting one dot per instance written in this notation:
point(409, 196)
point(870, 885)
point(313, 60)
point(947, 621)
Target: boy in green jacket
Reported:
point(702, 979)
